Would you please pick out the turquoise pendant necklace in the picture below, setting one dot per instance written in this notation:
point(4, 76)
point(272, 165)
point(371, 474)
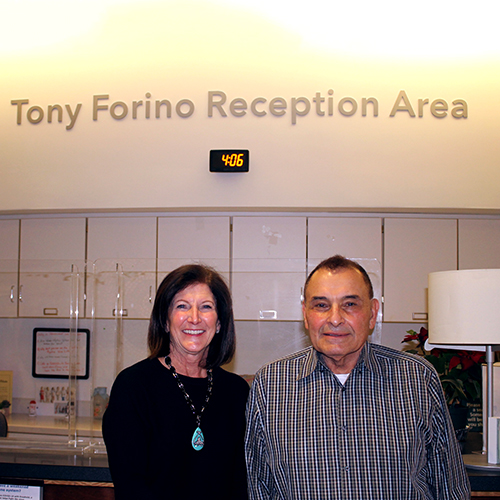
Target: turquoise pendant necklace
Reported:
point(198, 439)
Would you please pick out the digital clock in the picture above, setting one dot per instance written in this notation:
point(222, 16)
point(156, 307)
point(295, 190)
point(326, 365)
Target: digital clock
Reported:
point(229, 160)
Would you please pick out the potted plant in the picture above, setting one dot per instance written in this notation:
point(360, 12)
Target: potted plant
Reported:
point(460, 374)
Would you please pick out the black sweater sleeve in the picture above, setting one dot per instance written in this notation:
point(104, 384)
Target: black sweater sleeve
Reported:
point(125, 431)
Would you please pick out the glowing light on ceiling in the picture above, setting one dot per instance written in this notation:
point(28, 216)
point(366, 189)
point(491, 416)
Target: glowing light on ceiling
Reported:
point(31, 25)
point(423, 28)
point(386, 28)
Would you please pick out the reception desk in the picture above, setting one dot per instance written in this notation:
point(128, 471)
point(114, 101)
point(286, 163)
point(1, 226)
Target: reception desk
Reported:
point(38, 448)
point(25, 455)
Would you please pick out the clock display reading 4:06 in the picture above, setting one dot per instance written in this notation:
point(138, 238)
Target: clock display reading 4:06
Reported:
point(234, 160)
point(229, 160)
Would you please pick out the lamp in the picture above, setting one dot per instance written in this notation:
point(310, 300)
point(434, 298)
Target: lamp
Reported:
point(464, 310)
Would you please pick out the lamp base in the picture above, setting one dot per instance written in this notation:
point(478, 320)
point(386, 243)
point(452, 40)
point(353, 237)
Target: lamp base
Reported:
point(479, 462)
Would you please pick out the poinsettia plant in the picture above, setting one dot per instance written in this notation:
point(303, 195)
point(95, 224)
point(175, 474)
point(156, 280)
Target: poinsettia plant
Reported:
point(459, 371)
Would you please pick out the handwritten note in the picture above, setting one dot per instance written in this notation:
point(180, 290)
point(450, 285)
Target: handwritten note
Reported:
point(52, 353)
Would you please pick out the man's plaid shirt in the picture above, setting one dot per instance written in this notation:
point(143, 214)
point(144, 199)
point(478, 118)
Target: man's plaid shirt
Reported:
point(384, 435)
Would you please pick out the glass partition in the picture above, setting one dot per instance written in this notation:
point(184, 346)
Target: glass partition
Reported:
point(103, 309)
point(46, 350)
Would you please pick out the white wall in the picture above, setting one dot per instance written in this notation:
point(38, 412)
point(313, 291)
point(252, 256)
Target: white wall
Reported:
point(184, 50)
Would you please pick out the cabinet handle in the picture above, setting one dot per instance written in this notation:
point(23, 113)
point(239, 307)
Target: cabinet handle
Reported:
point(419, 316)
point(124, 312)
point(150, 294)
point(12, 294)
point(21, 293)
point(50, 311)
point(268, 314)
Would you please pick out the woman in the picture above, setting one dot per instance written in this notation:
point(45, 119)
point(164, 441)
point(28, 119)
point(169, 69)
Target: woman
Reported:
point(175, 423)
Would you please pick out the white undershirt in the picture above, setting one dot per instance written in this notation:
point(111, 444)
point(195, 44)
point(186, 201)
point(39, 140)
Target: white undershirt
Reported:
point(342, 377)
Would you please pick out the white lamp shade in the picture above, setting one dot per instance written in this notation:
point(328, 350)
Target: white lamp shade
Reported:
point(464, 307)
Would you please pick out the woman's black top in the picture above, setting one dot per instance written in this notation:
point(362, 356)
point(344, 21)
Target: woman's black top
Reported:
point(148, 427)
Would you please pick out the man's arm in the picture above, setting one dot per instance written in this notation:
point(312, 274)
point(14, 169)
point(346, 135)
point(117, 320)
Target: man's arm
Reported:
point(447, 470)
point(259, 476)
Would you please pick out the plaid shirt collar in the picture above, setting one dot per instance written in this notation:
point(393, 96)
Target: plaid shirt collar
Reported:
point(367, 361)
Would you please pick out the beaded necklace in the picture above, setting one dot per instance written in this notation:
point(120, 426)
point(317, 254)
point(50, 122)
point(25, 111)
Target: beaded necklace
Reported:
point(198, 439)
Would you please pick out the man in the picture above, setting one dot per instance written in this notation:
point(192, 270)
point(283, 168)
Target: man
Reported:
point(346, 419)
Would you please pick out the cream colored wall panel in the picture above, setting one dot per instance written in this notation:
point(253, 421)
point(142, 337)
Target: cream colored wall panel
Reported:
point(322, 116)
point(9, 259)
point(413, 248)
point(478, 244)
point(183, 240)
point(52, 266)
point(269, 263)
point(122, 282)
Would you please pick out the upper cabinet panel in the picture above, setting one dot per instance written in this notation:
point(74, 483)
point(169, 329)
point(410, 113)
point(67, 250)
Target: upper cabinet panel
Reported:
point(266, 242)
point(356, 238)
point(352, 237)
point(413, 249)
point(122, 281)
point(52, 266)
point(122, 238)
point(184, 240)
point(479, 244)
point(9, 262)
point(269, 267)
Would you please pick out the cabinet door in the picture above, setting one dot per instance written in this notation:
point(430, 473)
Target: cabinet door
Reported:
point(9, 261)
point(356, 238)
point(269, 267)
point(413, 249)
point(352, 237)
point(185, 240)
point(52, 259)
point(479, 244)
point(122, 281)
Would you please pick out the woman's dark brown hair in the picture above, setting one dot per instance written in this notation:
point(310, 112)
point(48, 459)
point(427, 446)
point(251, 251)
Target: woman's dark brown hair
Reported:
point(221, 349)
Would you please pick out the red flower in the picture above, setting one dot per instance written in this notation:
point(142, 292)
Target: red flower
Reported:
point(421, 336)
point(466, 359)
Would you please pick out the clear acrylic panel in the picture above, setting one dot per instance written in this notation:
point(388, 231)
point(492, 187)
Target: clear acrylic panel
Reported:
point(45, 410)
point(119, 298)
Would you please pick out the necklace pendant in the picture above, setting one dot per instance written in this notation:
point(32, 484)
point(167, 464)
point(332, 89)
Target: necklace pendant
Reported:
point(198, 440)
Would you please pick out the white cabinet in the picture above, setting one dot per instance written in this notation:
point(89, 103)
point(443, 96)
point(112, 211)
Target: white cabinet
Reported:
point(122, 281)
point(9, 261)
point(413, 248)
point(479, 244)
point(52, 266)
point(353, 237)
point(269, 267)
point(185, 240)
point(357, 238)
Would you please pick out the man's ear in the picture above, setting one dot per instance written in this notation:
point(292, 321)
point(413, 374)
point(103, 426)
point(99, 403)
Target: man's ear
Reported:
point(373, 318)
point(304, 315)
